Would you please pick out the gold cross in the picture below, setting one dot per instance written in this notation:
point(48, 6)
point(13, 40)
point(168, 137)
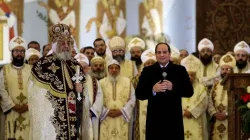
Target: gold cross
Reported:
point(18, 40)
point(21, 98)
point(221, 107)
point(136, 41)
point(221, 128)
point(53, 67)
point(20, 119)
point(150, 54)
point(188, 134)
point(227, 59)
point(242, 45)
point(114, 132)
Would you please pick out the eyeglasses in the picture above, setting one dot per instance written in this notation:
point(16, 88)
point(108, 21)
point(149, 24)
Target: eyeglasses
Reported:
point(19, 51)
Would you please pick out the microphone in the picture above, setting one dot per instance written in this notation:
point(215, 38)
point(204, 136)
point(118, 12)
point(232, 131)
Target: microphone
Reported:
point(164, 75)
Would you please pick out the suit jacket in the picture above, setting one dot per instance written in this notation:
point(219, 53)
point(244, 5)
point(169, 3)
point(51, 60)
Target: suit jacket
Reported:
point(164, 112)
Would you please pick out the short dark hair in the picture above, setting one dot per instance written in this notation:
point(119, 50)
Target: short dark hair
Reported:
point(33, 42)
point(45, 46)
point(183, 50)
point(161, 44)
point(98, 39)
point(88, 47)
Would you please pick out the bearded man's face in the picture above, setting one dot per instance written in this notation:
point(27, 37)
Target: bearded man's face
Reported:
point(136, 55)
point(18, 54)
point(241, 59)
point(118, 55)
point(206, 56)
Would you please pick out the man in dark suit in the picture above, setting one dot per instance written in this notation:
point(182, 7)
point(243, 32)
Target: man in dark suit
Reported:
point(164, 113)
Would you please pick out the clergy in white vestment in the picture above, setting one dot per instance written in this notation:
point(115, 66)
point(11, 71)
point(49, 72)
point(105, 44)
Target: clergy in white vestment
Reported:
point(207, 72)
point(139, 128)
point(95, 97)
point(32, 56)
point(127, 67)
point(218, 100)
point(6, 104)
point(136, 47)
point(242, 51)
point(57, 105)
point(118, 104)
point(97, 68)
point(194, 108)
point(16, 76)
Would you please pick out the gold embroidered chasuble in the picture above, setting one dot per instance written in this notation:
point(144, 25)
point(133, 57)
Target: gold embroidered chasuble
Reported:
point(195, 128)
point(53, 100)
point(219, 103)
point(96, 103)
point(128, 69)
point(205, 73)
point(119, 95)
point(16, 80)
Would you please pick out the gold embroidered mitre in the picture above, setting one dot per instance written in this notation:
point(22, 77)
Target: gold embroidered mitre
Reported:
point(228, 60)
point(116, 43)
point(136, 42)
point(148, 55)
point(97, 59)
point(59, 32)
point(191, 63)
point(17, 41)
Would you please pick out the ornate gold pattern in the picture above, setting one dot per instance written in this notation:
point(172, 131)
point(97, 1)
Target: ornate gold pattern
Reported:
point(221, 128)
point(136, 41)
point(53, 68)
point(114, 132)
point(242, 45)
point(65, 125)
point(21, 97)
point(221, 107)
point(187, 134)
point(42, 72)
point(225, 22)
point(18, 40)
point(227, 59)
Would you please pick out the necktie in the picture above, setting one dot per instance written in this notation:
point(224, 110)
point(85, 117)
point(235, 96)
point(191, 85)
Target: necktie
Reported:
point(163, 68)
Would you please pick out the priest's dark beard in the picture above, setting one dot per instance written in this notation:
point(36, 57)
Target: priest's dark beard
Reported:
point(241, 64)
point(18, 61)
point(206, 59)
point(98, 75)
point(64, 55)
point(137, 60)
point(119, 58)
point(101, 52)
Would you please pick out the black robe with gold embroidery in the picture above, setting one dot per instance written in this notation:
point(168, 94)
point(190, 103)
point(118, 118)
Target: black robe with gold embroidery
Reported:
point(52, 78)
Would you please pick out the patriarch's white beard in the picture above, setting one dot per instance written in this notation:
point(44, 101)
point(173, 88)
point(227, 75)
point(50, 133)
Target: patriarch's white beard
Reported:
point(64, 55)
